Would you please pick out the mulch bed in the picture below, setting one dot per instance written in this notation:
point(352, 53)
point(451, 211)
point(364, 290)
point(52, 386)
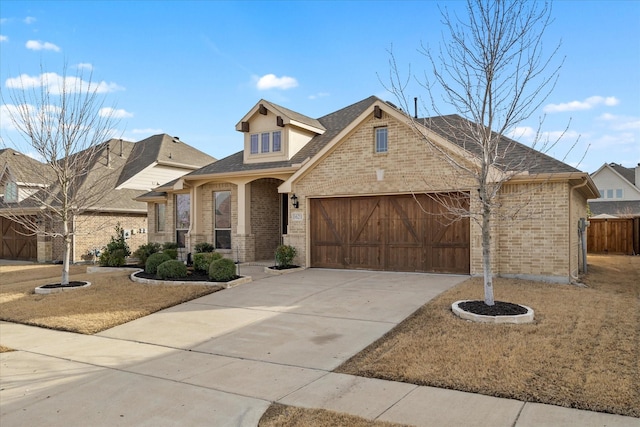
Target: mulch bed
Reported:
point(192, 277)
point(73, 284)
point(283, 267)
point(500, 308)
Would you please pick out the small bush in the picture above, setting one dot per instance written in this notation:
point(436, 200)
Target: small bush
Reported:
point(222, 270)
point(154, 261)
point(146, 250)
point(172, 269)
point(204, 247)
point(202, 261)
point(285, 255)
point(169, 245)
point(116, 251)
point(172, 253)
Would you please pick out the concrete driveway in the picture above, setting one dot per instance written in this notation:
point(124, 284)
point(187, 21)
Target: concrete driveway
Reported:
point(222, 359)
point(218, 360)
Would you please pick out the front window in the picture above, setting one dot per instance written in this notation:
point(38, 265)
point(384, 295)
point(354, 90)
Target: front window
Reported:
point(222, 220)
point(161, 209)
point(619, 193)
point(277, 141)
point(609, 194)
point(183, 218)
point(381, 140)
point(265, 142)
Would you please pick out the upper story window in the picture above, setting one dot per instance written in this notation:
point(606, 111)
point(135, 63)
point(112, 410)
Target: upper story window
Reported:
point(381, 140)
point(254, 144)
point(619, 193)
point(11, 192)
point(609, 194)
point(277, 140)
point(266, 142)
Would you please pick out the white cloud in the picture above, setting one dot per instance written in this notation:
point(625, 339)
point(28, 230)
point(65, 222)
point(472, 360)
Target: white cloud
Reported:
point(56, 84)
point(271, 81)
point(38, 45)
point(29, 20)
point(114, 113)
point(587, 104)
point(85, 66)
point(520, 133)
point(319, 95)
point(4, 38)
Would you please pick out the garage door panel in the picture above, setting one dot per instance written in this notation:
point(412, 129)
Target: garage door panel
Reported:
point(17, 242)
point(395, 233)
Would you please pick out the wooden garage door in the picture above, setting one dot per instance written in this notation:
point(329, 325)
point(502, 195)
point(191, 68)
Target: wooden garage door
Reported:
point(393, 233)
point(16, 242)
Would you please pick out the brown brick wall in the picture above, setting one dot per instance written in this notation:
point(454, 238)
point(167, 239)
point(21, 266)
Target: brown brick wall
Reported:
point(265, 217)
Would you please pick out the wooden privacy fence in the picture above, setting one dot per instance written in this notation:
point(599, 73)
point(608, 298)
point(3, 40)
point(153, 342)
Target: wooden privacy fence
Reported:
point(614, 236)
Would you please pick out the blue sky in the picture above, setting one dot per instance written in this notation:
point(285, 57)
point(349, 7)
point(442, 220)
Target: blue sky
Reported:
point(193, 69)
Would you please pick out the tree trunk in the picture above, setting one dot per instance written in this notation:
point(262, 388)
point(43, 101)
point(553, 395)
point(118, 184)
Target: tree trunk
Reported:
point(486, 257)
point(66, 253)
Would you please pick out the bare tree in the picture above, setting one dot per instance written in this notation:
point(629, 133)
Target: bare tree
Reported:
point(63, 120)
point(492, 70)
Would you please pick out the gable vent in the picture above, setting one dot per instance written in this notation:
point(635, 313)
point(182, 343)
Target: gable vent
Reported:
point(279, 121)
point(262, 110)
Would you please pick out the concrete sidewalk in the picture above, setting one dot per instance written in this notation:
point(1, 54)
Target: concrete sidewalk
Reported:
point(223, 358)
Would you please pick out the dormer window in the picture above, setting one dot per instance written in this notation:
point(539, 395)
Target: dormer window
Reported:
point(266, 142)
point(254, 144)
point(11, 192)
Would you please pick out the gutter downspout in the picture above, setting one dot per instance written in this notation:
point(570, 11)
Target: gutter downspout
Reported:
point(582, 184)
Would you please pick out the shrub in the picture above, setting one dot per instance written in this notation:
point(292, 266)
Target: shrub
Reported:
point(144, 251)
point(116, 251)
point(172, 253)
point(204, 247)
point(222, 270)
point(172, 269)
point(169, 245)
point(202, 261)
point(154, 261)
point(285, 255)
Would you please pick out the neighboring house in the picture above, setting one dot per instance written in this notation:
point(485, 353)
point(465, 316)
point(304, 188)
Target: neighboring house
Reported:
point(125, 169)
point(619, 188)
point(357, 188)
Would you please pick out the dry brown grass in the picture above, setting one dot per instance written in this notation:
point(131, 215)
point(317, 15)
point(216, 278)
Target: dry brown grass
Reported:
point(4, 349)
point(583, 351)
point(111, 300)
point(288, 416)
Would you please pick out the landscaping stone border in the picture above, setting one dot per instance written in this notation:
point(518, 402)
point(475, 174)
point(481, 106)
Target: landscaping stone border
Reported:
point(285, 271)
point(41, 290)
point(518, 319)
point(230, 284)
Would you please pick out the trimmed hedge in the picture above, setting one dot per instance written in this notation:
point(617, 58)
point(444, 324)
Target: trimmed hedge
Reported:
point(222, 270)
point(145, 251)
point(172, 269)
point(154, 260)
point(202, 261)
point(204, 247)
point(173, 253)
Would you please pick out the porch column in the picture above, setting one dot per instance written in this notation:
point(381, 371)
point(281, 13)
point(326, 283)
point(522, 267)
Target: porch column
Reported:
point(196, 229)
point(244, 208)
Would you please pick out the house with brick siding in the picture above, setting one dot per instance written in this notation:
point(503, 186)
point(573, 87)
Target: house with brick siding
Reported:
point(126, 169)
point(359, 188)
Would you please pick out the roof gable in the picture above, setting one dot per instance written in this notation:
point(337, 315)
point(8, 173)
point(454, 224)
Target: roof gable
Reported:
point(288, 117)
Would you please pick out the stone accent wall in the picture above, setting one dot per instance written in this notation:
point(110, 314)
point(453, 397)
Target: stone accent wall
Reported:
point(265, 217)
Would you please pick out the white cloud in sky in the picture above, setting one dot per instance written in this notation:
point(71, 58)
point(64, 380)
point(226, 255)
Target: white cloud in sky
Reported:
point(620, 123)
point(85, 66)
point(38, 45)
point(587, 104)
point(56, 83)
point(319, 95)
point(114, 113)
point(271, 81)
point(29, 20)
point(522, 133)
point(4, 38)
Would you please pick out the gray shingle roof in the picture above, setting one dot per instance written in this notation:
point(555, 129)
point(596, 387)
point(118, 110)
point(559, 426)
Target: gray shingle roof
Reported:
point(616, 208)
point(627, 173)
point(515, 156)
point(296, 116)
point(161, 148)
point(24, 168)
